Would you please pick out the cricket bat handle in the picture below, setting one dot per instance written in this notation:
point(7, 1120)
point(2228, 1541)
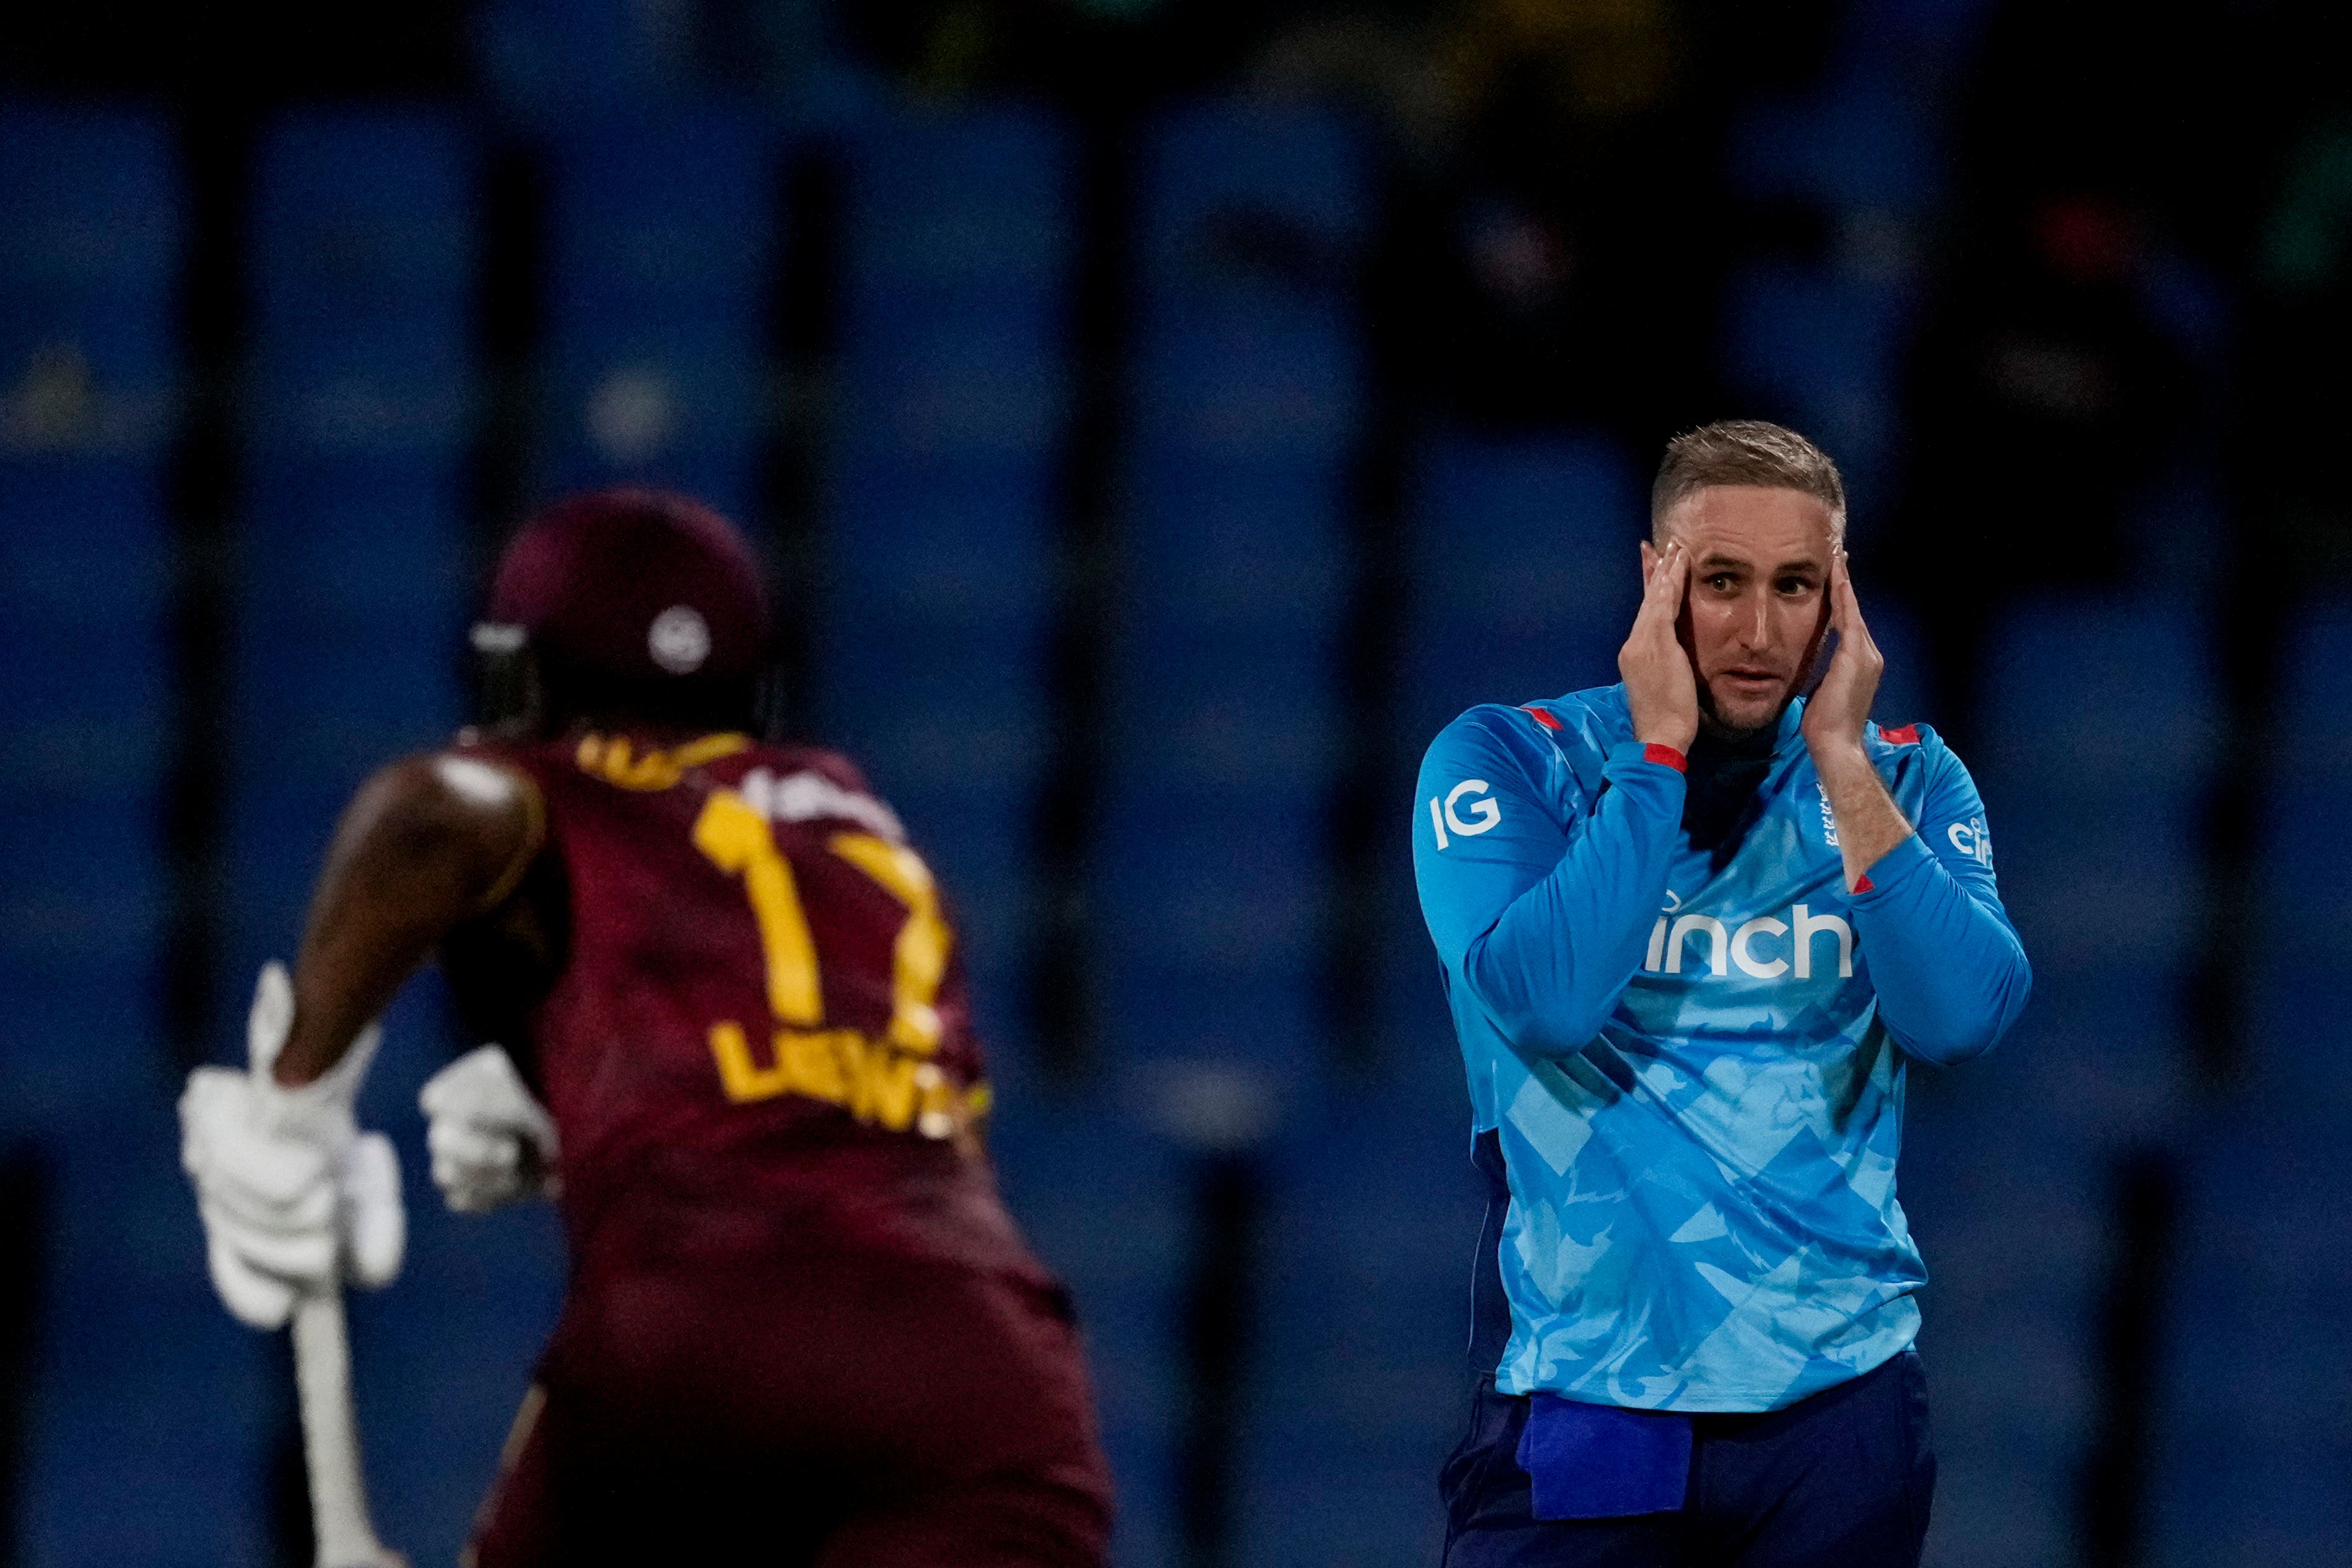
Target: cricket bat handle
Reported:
point(330, 1443)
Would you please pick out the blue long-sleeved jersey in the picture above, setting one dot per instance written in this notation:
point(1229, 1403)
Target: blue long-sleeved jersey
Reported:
point(1686, 1040)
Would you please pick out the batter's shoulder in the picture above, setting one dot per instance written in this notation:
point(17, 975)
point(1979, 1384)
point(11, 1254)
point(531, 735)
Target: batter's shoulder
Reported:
point(814, 783)
point(525, 756)
point(481, 819)
point(784, 760)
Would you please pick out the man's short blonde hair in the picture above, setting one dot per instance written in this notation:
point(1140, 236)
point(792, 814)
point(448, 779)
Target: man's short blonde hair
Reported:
point(1744, 452)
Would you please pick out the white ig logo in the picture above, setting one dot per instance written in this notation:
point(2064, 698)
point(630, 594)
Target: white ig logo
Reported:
point(1486, 810)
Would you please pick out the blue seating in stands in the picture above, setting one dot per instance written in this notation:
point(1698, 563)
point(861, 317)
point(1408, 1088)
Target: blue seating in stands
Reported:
point(1414, 1051)
point(1823, 350)
point(89, 357)
point(1102, 1200)
point(1250, 218)
point(959, 250)
point(1245, 723)
point(667, 215)
point(96, 227)
point(1359, 1373)
point(1253, 549)
point(1525, 572)
point(962, 546)
point(559, 62)
point(433, 1423)
point(2099, 739)
point(1358, 1377)
point(141, 1367)
point(352, 552)
point(661, 255)
point(1903, 686)
point(1246, 390)
point(940, 558)
point(2013, 1221)
point(1212, 932)
point(2305, 862)
point(130, 1379)
point(2101, 697)
point(363, 263)
point(86, 687)
point(1820, 342)
point(2102, 735)
point(2302, 971)
point(2099, 871)
point(1861, 141)
point(2251, 1452)
point(87, 540)
point(1248, 377)
point(1209, 875)
point(953, 716)
point(352, 539)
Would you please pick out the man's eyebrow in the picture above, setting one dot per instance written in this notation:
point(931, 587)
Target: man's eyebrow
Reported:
point(1721, 561)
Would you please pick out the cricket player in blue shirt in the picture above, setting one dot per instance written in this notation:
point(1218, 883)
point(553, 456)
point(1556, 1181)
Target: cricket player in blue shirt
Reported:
point(1692, 927)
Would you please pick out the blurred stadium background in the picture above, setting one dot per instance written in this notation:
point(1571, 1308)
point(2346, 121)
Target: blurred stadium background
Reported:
point(1160, 417)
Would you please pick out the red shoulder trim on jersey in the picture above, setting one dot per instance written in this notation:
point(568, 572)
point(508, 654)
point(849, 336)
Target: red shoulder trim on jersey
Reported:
point(1901, 735)
point(1540, 716)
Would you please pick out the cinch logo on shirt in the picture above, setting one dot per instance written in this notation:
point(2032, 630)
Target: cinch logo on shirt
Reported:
point(1485, 809)
point(1669, 937)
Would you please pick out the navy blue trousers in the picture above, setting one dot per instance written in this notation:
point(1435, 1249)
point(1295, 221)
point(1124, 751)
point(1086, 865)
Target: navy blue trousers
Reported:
point(1844, 1478)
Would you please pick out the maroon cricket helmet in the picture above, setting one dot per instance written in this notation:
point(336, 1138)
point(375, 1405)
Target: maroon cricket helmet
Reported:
point(643, 584)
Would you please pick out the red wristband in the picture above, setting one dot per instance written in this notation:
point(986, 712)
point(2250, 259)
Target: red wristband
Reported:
point(1654, 752)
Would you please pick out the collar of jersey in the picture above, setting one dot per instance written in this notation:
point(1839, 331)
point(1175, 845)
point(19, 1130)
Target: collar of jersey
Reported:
point(1788, 737)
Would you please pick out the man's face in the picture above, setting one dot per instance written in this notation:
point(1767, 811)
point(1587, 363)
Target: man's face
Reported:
point(1759, 572)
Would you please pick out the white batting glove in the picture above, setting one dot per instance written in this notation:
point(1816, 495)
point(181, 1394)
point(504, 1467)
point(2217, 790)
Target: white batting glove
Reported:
point(492, 1143)
point(294, 1197)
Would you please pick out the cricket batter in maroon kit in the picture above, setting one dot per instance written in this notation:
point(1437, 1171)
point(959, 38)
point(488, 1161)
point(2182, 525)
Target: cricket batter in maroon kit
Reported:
point(801, 1327)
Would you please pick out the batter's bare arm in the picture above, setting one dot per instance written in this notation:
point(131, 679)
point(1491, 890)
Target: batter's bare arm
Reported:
point(428, 843)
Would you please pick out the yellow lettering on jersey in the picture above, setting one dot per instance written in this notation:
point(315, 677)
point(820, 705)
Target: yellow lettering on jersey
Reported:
point(814, 1062)
point(919, 957)
point(808, 1062)
point(883, 1082)
point(738, 841)
point(872, 1079)
point(743, 1080)
point(612, 759)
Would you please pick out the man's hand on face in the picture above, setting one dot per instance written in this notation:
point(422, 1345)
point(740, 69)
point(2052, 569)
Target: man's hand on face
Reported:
point(1660, 686)
point(1838, 710)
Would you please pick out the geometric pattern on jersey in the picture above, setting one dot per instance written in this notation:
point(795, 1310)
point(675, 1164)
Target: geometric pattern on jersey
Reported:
point(1701, 1210)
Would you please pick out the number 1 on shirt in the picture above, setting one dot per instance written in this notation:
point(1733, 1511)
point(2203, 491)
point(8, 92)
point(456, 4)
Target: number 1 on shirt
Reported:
point(738, 840)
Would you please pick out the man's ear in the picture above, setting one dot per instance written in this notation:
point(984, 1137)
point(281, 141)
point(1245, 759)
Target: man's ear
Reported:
point(1649, 560)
